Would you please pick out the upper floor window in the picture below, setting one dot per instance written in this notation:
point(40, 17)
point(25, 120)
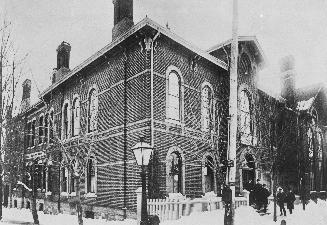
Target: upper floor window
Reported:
point(310, 143)
point(314, 117)
point(206, 99)
point(174, 97)
point(245, 113)
point(29, 134)
point(46, 127)
point(41, 129)
point(245, 64)
point(91, 176)
point(76, 117)
point(93, 110)
point(51, 127)
point(65, 121)
point(320, 147)
point(33, 133)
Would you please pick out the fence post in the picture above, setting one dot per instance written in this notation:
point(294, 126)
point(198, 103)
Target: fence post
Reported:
point(138, 192)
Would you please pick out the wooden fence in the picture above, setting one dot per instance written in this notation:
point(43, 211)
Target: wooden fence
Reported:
point(173, 209)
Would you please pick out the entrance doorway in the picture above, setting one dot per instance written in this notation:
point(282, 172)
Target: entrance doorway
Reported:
point(209, 175)
point(248, 172)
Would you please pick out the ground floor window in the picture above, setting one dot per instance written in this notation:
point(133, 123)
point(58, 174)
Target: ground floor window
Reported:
point(209, 175)
point(175, 173)
point(91, 176)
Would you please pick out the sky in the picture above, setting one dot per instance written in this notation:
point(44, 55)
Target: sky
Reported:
point(297, 27)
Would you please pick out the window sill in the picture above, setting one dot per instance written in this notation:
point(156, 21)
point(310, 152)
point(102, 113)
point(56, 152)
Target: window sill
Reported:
point(173, 122)
point(90, 195)
point(64, 194)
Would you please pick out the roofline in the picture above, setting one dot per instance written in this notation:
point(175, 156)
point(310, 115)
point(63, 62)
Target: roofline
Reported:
point(240, 38)
point(146, 21)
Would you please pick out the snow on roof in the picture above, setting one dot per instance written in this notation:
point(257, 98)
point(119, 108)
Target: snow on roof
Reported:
point(305, 105)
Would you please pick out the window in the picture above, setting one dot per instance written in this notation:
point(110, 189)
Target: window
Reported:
point(245, 65)
point(174, 97)
point(33, 133)
point(76, 117)
point(310, 143)
point(91, 176)
point(64, 179)
point(245, 114)
point(93, 110)
point(206, 99)
point(41, 130)
point(65, 121)
point(29, 135)
point(46, 128)
point(49, 180)
point(51, 127)
point(311, 155)
point(175, 173)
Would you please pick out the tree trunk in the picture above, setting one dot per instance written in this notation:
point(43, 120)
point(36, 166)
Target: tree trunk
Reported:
point(10, 196)
point(78, 203)
point(34, 210)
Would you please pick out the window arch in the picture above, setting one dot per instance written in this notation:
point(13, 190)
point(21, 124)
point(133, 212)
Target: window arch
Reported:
point(245, 113)
point(174, 94)
point(91, 176)
point(245, 67)
point(65, 120)
point(76, 117)
point(206, 107)
point(41, 129)
point(175, 171)
point(92, 110)
point(51, 126)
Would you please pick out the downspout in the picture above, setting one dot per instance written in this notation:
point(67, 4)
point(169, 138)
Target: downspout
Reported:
point(152, 86)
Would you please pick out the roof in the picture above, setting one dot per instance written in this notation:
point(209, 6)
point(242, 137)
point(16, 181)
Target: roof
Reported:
point(252, 39)
point(306, 96)
point(145, 22)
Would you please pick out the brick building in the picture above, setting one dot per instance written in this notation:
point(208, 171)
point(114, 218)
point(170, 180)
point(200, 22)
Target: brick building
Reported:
point(149, 83)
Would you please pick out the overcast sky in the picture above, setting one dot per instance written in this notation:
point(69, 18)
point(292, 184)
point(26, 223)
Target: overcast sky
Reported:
point(297, 27)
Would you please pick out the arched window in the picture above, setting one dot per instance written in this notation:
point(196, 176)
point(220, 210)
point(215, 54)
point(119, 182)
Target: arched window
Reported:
point(245, 114)
point(208, 174)
point(91, 176)
point(245, 65)
point(314, 117)
point(33, 132)
point(206, 99)
point(46, 127)
point(174, 97)
point(76, 117)
point(51, 127)
point(93, 110)
point(41, 130)
point(319, 156)
point(65, 121)
point(64, 179)
point(175, 170)
point(311, 155)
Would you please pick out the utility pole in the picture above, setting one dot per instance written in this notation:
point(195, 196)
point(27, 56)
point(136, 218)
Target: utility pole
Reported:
point(229, 219)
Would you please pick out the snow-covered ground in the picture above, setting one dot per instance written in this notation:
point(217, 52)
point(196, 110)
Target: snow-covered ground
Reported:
point(315, 214)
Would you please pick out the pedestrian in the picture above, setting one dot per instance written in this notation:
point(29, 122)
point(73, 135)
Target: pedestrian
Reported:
point(290, 198)
point(265, 194)
point(281, 201)
point(256, 194)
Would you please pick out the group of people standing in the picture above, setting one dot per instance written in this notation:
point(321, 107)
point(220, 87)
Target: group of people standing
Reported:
point(287, 197)
point(259, 196)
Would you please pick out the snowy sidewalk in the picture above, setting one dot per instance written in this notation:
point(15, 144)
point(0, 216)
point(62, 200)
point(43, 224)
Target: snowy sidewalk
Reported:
point(315, 214)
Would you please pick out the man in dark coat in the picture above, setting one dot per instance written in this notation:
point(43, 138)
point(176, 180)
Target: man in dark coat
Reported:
point(280, 201)
point(290, 198)
point(257, 194)
point(265, 194)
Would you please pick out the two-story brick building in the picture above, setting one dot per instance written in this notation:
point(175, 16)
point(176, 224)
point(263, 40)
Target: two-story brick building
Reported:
point(147, 83)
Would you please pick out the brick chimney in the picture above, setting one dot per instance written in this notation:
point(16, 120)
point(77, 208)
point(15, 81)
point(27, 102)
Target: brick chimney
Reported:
point(288, 74)
point(26, 99)
point(123, 17)
point(63, 56)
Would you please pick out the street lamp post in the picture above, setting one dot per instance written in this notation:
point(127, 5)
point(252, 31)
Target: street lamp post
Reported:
point(142, 153)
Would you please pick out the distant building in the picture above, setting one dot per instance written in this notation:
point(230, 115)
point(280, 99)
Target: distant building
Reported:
point(150, 83)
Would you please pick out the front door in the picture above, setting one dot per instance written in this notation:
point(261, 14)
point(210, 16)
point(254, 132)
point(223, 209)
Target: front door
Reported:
point(248, 177)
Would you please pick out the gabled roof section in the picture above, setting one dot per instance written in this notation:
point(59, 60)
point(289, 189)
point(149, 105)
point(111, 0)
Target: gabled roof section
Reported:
point(143, 23)
point(306, 96)
point(250, 39)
